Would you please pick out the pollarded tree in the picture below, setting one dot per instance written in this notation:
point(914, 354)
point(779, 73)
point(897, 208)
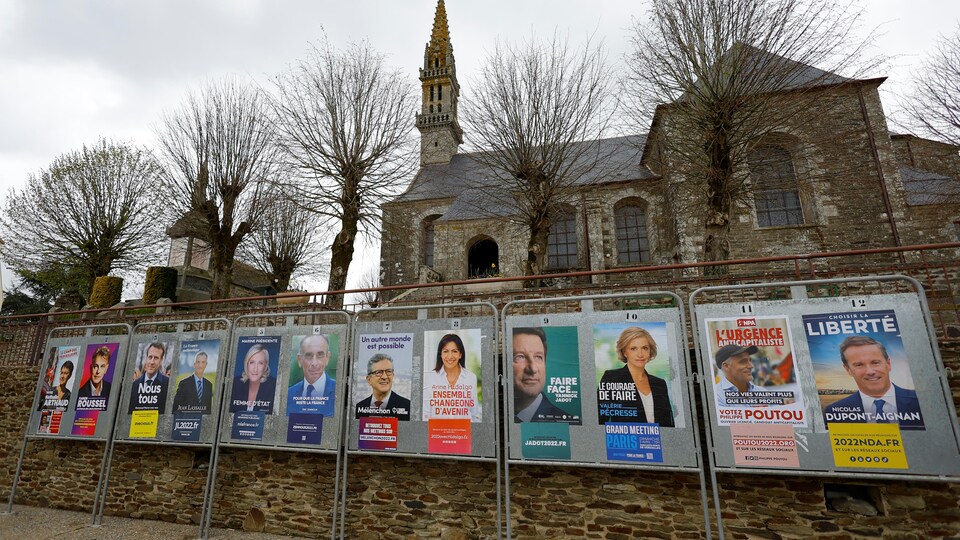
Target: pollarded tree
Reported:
point(92, 211)
point(713, 79)
point(346, 124)
point(934, 106)
point(221, 161)
point(533, 111)
point(287, 245)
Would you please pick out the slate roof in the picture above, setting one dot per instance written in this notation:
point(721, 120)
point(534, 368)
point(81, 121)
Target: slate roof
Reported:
point(477, 189)
point(925, 187)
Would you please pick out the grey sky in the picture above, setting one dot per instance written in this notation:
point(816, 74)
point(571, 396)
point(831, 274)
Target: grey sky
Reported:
point(76, 70)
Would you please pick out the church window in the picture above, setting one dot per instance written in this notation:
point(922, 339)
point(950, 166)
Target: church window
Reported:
point(431, 92)
point(562, 241)
point(439, 91)
point(428, 240)
point(436, 62)
point(776, 193)
point(431, 107)
point(633, 245)
point(439, 107)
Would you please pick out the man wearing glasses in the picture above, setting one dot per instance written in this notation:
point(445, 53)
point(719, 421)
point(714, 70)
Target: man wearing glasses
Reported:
point(383, 401)
point(315, 394)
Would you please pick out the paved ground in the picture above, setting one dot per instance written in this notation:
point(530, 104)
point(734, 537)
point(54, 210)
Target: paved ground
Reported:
point(31, 522)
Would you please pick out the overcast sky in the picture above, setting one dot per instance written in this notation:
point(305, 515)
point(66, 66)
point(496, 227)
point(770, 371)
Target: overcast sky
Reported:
point(72, 71)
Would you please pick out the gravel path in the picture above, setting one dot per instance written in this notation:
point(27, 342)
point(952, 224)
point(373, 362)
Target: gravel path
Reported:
point(32, 522)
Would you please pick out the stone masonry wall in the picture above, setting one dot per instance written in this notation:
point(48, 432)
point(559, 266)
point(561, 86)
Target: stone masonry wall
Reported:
point(390, 497)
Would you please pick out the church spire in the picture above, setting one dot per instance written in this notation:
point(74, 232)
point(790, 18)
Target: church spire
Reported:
point(440, 132)
point(441, 30)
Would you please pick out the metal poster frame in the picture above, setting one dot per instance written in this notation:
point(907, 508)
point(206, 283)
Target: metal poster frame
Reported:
point(178, 336)
point(798, 290)
point(286, 332)
point(88, 338)
point(586, 306)
point(423, 314)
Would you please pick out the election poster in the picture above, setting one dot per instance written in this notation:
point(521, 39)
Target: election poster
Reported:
point(196, 376)
point(59, 378)
point(383, 376)
point(546, 375)
point(633, 372)
point(452, 375)
point(862, 369)
point(151, 376)
point(755, 377)
point(96, 377)
point(254, 378)
point(311, 386)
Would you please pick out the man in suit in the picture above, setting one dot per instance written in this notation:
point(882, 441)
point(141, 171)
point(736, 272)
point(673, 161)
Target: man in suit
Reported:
point(383, 401)
point(150, 388)
point(316, 392)
point(877, 399)
point(94, 394)
point(530, 404)
point(194, 393)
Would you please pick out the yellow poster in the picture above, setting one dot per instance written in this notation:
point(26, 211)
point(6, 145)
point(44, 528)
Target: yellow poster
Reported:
point(874, 446)
point(143, 424)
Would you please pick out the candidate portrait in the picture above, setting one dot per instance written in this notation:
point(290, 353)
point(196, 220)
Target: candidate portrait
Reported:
point(877, 399)
point(314, 392)
point(149, 391)
point(382, 401)
point(195, 392)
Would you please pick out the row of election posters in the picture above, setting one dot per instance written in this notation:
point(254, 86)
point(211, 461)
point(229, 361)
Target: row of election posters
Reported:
point(865, 392)
point(630, 382)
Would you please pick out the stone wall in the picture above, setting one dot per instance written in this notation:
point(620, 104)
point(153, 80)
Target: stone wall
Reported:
point(391, 497)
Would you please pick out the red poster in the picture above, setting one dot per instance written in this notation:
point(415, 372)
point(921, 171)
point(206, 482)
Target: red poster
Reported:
point(449, 436)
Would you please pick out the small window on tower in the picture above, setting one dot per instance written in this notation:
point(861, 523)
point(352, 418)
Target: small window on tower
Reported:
point(439, 91)
point(436, 62)
point(439, 107)
point(431, 92)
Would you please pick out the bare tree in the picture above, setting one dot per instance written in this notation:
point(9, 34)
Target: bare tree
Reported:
point(92, 211)
point(717, 77)
point(287, 245)
point(221, 156)
point(532, 107)
point(346, 124)
point(934, 106)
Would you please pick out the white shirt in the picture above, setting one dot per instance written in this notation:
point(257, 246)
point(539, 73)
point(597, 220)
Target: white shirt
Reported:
point(318, 387)
point(465, 384)
point(647, 401)
point(889, 406)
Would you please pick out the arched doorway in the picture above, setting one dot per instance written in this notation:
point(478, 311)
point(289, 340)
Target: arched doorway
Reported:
point(483, 259)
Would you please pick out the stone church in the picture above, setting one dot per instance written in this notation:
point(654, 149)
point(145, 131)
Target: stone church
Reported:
point(834, 182)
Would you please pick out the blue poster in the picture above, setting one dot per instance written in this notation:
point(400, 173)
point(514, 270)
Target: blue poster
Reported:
point(248, 426)
point(186, 427)
point(545, 440)
point(304, 428)
point(633, 442)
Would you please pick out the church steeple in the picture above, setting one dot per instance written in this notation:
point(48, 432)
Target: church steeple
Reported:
point(440, 132)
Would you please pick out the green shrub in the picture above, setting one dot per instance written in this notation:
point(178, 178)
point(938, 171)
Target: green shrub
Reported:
point(106, 291)
point(161, 282)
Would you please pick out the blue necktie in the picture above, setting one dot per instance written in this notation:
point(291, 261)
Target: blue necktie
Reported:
point(879, 405)
point(199, 389)
point(310, 390)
